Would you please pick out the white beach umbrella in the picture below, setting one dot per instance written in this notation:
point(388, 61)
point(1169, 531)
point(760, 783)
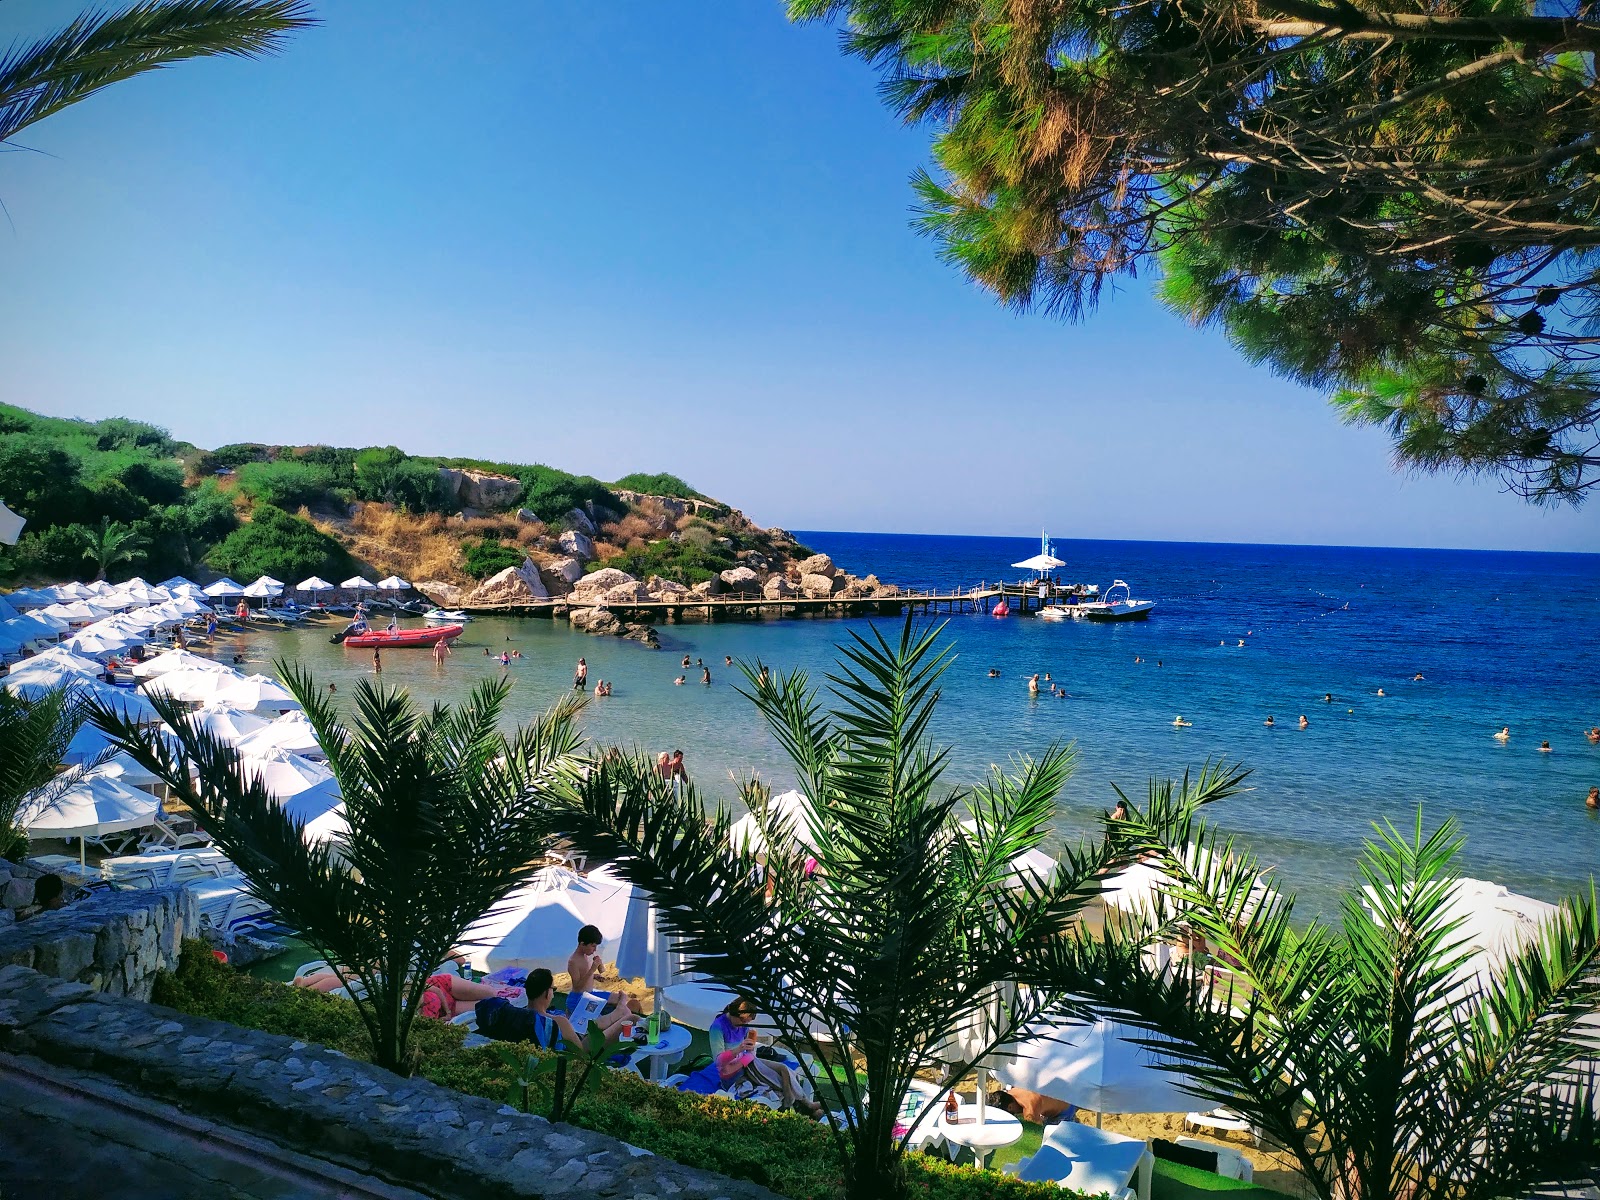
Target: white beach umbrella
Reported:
point(394, 584)
point(192, 590)
point(62, 656)
point(282, 773)
point(264, 589)
point(32, 679)
point(1035, 865)
point(291, 732)
point(313, 585)
point(222, 588)
point(177, 581)
point(178, 660)
point(194, 685)
point(255, 692)
point(124, 701)
point(93, 806)
point(103, 641)
point(190, 606)
point(78, 612)
point(537, 925)
point(1099, 1067)
point(321, 808)
point(72, 590)
point(38, 626)
point(226, 724)
point(746, 833)
point(129, 773)
point(357, 584)
point(99, 587)
point(13, 641)
point(22, 599)
point(88, 744)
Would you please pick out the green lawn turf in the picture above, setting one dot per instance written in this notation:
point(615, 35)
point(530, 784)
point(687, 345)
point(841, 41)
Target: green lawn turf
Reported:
point(1174, 1181)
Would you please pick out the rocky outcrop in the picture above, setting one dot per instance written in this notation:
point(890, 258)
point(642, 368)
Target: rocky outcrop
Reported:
point(778, 588)
point(578, 521)
point(642, 634)
point(595, 583)
point(526, 516)
point(568, 570)
point(514, 585)
point(595, 620)
point(664, 589)
point(626, 593)
point(820, 587)
point(577, 544)
point(709, 587)
point(818, 564)
point(482, 490)
point(741, 579)
point(445, 595)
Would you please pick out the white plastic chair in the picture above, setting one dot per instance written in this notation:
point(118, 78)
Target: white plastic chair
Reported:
point(1225, 1119)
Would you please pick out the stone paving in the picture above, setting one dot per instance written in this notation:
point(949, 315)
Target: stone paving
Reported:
point(322, 1103)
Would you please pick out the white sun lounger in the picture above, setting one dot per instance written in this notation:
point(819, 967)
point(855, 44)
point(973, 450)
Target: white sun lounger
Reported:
point(1091, 1161)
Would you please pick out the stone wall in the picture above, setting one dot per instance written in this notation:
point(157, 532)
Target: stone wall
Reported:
point(16, 890)
point(319, 1102)
point(113, 942)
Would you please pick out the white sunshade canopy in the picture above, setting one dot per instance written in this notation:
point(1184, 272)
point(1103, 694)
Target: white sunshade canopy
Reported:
point(224, 587)
point(1144, 890)
point(1040, 562)
point(95, 805)
point(226, 724)
point(39, 623)
point(291, 732)
point(315, 584)
point(537, 925)
point(128, 773)
point(30, 680)
point(104, 641)
point(254, 692)
point(321, 807)
point(178, 660)
point(177, 581)
point(393, 584)
point(358, 584)
point(1034, 865)
point(188, 606)
point(264, 588)
point(194, 684)
point(1096, 1067)
point(746, 833)
point(284, 774)
point(61, 656)
point(78, 612)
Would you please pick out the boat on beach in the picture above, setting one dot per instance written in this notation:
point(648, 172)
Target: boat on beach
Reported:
point(399, 638)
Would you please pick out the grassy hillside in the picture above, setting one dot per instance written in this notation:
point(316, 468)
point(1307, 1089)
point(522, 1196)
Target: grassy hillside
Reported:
point(290, 511)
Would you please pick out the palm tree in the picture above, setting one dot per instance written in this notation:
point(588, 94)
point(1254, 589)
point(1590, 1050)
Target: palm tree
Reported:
point(440, 828)
point(1381, 1053)
point(100, 48)
point(912, 922)
point(109, 545)
point(34, 736)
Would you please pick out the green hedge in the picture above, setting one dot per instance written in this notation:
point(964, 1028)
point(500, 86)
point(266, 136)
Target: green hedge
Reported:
point(281, 545)
point(787, 1153)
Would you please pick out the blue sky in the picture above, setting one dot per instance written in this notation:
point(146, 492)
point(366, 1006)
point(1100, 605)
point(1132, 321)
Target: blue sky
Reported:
point(637, 236)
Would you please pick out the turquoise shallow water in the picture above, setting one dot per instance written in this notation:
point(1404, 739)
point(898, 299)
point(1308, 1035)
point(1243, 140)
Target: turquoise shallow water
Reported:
point(1501, 639)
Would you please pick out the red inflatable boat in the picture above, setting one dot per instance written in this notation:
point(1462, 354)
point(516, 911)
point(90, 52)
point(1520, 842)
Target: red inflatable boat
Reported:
point(384, 638)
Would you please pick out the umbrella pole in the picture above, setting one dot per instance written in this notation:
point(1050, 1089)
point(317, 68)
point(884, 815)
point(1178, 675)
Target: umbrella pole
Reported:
point(982, 1092)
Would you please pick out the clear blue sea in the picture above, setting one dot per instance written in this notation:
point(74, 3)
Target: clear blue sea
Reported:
point(1500, 638)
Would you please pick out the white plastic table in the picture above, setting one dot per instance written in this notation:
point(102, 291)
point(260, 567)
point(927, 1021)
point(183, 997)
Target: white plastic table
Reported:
point(999, 1128)
point(1090, 1161)
point(664, 1051)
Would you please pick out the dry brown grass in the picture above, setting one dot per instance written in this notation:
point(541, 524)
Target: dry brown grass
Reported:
point(416, 546)
point(491, 528)
point(530, 534)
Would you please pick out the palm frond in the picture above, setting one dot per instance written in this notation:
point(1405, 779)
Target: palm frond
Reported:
point(100, 48)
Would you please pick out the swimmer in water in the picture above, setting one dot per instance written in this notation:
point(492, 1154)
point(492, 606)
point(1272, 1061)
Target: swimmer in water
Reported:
point(1328, 699)
point(1504, 735)
point(993, 674)
point(1544, 747)
point(1380, 691)
point(1592, 800)
point(727, 660)
point(1417, 678)
point(686, 660)
point(681, 680)
point(1180, 722)
point(1241, 641)
point(1593, 735)
point(1033, 685)
point(1269, 722)
point(1303, 722)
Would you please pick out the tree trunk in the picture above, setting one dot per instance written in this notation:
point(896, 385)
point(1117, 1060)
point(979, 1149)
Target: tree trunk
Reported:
point(389, 1052)
point(877, 1172)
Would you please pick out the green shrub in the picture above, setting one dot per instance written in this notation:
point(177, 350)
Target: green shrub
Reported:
point(787, 1153)
point(388, 474)
point(486, 558)
point(236, 454)
point(41, 480)
point(552, 494)
point(285, 484)
point(54, 552)
point(119, 433)
point(662, 484)
point(685, 561)
point(278, 544)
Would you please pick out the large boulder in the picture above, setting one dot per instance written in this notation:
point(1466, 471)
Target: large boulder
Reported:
point(480, 489)
point(578, 544)
point(595, 620)
point(642, 634)
point(664, 589)
point(818, 587)
point(627, 593)
point(709, 587)
point(445, 595)
point(578, 520)
point(741, 579)
point(602, 580)
point(568, 570)
point(819, 564)
point(514, 585)
point(778, 588)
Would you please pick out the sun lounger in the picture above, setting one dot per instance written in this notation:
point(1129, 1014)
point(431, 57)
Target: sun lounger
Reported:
point(226, 906)
point(165, 868)
point(1091, 1161)
point(1231, 1162)
point(1224, 1119)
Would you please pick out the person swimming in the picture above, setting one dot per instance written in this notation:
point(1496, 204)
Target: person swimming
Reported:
point(1304, 724)
point(1504, 735)
point(1593, 735)
point(1180, 722)
point(1269, 721)
point(681, 680)
point(1328, 698)
point(727, 660)
point(993, 674)
point(1380, 691)
point(1544, 747)
point(1417, 678)
point(1592, 800)
point(1033, 685)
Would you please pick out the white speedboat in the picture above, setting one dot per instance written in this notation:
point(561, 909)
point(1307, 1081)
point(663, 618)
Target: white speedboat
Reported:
point(1117, 605)
point(450, 616)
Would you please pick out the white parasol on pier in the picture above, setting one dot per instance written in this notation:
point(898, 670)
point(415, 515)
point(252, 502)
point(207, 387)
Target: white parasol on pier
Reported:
point(1044, 561)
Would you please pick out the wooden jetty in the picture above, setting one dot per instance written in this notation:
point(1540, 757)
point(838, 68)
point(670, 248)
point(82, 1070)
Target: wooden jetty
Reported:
point(1021, 597)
